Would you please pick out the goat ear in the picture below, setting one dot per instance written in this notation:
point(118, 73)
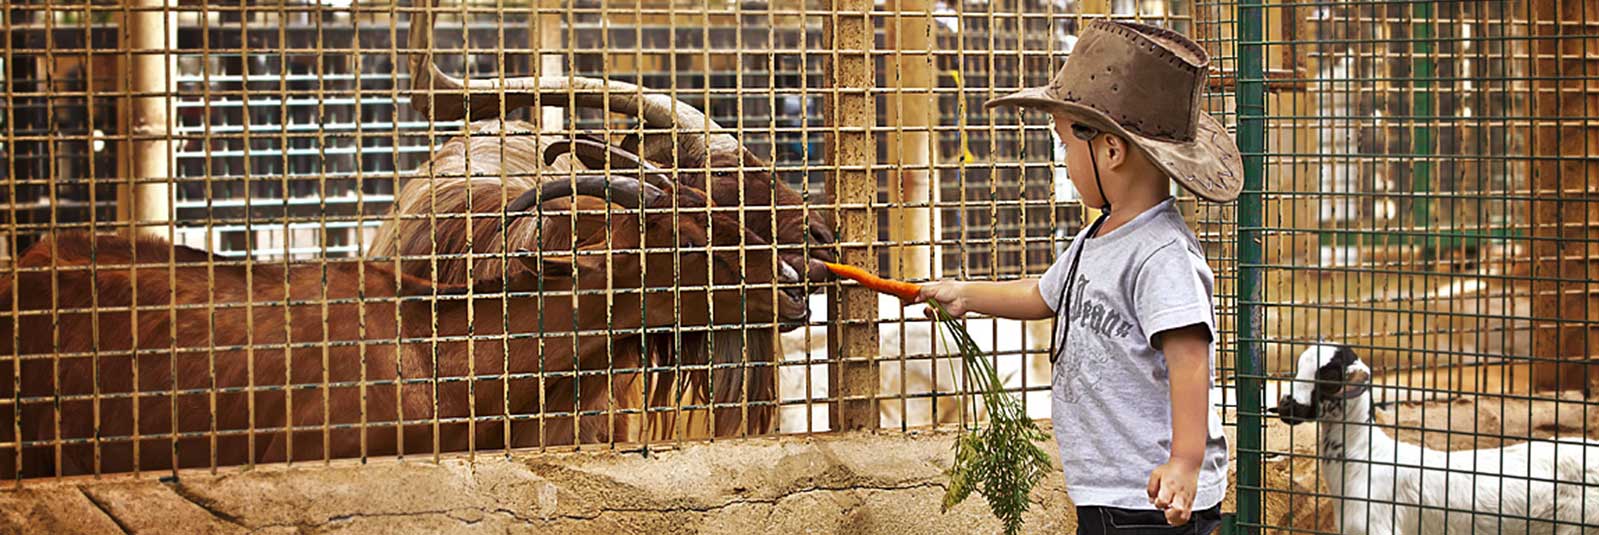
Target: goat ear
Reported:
point(559, 264)
point(630, 143)
point(751, 160)
point(546, 265)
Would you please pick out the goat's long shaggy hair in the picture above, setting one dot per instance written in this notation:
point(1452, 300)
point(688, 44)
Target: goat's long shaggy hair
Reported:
point(466, 185)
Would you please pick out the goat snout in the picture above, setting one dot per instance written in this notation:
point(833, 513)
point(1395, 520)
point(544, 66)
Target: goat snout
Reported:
point(816, 271)
point(1292, 412)
point(794, 305)
point(786, 272)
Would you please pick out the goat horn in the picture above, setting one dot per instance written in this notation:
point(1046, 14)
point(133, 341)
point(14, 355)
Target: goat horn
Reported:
point(592, 154)
point(621, 191)
point(560, 146)
point(447, 98)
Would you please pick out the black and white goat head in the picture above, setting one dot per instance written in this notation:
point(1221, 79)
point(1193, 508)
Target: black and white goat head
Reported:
point(1326, 379)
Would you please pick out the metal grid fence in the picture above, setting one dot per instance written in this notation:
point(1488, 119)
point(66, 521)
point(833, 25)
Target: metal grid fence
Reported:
point(325, 299)
point(1419, 188)
point(1421, 191)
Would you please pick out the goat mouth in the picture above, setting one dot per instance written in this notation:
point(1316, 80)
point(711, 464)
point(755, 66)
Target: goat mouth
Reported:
point(794, 306)
point(817, 272)
point(1292, 412)
point(794, 294)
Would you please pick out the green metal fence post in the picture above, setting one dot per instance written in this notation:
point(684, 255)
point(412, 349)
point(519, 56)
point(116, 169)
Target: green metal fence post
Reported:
point(1251, 93)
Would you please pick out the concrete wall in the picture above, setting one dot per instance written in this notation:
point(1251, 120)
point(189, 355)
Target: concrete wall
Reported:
point(851, 483)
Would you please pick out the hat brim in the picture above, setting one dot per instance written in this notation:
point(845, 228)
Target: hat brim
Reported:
point(1209, 166)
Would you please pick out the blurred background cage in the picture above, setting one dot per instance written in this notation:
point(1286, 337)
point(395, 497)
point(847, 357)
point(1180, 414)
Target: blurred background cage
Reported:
point(1423, 191)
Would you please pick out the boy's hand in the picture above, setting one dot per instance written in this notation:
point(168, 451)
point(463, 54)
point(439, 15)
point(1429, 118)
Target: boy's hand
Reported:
point(1171, 489)
point(1017, 299)
point(947, 293)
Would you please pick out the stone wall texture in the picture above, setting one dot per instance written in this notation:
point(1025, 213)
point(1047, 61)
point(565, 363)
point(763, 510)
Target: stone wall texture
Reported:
point(846, 483)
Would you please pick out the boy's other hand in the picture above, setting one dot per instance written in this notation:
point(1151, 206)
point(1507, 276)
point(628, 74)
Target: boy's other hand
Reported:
point(1172, 487)
point(947, 293)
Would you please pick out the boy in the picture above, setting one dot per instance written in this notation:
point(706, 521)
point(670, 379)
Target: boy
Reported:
point(1142, 448)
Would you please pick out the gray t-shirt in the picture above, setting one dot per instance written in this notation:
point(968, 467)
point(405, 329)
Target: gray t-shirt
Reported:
point(1112, 399)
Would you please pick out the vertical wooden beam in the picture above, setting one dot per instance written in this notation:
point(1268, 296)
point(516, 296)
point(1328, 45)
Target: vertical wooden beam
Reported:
point(1296, 132)
point(145, 116)
point(1563, 223)
point(1583, 184)
point(851, 113)
point(1545, 180)
point(910, 109)
point(1088, 11)
point(1094, 7)
point(547, 37)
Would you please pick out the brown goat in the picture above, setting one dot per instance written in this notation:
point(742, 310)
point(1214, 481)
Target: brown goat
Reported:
point(468, 173)
point(366, 348)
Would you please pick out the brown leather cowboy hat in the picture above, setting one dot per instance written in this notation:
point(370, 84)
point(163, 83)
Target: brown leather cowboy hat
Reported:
point(1144, 83)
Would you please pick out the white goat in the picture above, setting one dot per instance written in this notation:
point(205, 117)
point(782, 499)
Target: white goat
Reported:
point(1384, 486)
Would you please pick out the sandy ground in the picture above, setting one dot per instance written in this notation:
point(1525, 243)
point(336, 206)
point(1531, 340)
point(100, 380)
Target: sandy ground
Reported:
point(1291, 471)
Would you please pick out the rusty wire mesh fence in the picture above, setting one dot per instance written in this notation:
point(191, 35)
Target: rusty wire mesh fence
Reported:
point(242, 233)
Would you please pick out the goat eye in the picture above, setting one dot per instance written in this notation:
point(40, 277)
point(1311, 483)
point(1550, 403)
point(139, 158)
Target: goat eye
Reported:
point(817, 236)
point(725, 264)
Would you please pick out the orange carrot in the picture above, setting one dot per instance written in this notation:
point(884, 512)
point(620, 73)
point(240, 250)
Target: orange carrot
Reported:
point(901, 289)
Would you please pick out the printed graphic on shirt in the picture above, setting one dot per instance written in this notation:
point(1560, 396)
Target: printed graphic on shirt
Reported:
point(1087, 351)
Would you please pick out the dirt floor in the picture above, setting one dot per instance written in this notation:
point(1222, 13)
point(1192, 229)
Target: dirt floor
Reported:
point(1291, 474)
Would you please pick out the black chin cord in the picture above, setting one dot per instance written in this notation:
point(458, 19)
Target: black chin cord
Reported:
point(1065, 305)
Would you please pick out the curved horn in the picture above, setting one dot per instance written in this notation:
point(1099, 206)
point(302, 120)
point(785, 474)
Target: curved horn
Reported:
point(621, 191)
point(592, 154)
point(562, 146)
point(447, 98)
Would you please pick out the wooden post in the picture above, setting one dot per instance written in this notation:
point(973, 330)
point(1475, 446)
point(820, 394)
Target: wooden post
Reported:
point(850, 115)
point(1581, 184)
point(1563, 224)
point(911, 108)
point(146, 118)
point(1099, 8)
point(547, 40)
point(1285, 23)
point(1090, 10)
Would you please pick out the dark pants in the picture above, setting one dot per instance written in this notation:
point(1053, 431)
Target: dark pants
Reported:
point(1110, 520)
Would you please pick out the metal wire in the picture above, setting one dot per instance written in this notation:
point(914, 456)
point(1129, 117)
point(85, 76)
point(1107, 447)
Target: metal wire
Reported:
point(1424, 198)
point(291, 139)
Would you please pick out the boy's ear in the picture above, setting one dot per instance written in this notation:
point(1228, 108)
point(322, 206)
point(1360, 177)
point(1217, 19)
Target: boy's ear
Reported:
point(1116, 151)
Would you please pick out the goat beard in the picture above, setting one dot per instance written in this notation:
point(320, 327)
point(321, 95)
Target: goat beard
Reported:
point(733, 380)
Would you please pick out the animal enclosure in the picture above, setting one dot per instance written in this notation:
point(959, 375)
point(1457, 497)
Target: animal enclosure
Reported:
point(347, 279)
point(1424, 194)
point(261, 232)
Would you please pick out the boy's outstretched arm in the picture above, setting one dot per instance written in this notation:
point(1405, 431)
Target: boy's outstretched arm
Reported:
point(1172, 486)
point(1017, 300)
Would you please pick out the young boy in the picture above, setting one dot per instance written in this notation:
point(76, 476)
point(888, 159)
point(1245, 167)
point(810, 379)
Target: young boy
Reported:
point(1142, 448)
